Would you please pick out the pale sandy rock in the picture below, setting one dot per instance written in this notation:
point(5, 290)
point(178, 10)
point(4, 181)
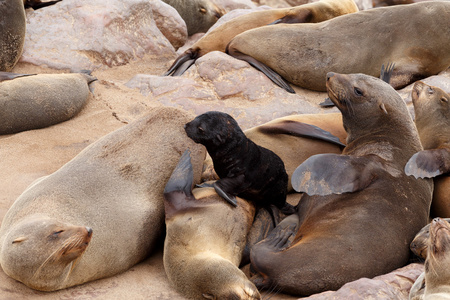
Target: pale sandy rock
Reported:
point(170, 23)
point(219, 82)
point(230, 5)
point(364, 4)
point(395, 285)
point(275, 3)
point(87, 34)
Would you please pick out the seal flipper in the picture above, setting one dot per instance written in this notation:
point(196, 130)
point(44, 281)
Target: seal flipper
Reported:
point(300, 129)
point(429, 163)
point(36, 4)
point(182, 63)
point(179, 186)
point(224, 185)
point(275, 77)
point(327, 102)
point(386, 73)
point(326, 174)
point(10, 76)
point(303, 17)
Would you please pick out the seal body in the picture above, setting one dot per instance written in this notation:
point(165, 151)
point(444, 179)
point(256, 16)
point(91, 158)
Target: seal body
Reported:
point(244, 168)
point(303, 53)
point(218, 38)
point(432, 118)
point(114, 187)
point(12, 33)
point(38, 101)
point(199, 15)
point(205, 239)
point(434, 283)
point(329, 242)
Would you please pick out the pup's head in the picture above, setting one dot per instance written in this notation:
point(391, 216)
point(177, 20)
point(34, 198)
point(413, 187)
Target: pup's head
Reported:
point(213, 130)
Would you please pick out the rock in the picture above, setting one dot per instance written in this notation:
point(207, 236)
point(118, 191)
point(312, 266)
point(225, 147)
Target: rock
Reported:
point(170, 23)
point(220, 82)
point(230, 5)
point(395, 285)
point(96, 34)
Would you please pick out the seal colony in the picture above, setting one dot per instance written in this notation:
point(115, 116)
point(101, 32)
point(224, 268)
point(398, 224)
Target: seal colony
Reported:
point(205, 239)
point(218, 38)
point(432, 118)
point(114, 187)
point(330, 241)
point(37, 101)
point(414, 44)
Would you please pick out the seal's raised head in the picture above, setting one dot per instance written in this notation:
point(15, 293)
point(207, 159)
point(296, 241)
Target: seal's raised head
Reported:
point(42, 252)
point(438, 256)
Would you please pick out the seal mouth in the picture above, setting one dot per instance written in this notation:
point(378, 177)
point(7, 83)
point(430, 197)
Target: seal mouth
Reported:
point(417, 89)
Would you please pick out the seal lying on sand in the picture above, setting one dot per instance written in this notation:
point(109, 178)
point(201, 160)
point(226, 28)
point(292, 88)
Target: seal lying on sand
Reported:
point(205, 239)
point(37, 101)
point(303, 53)
point(432, 117)
point(245, 169)
point(114, 187)
point(330, 241)
point(12, 33)
point(218, 38)
point(434, 282)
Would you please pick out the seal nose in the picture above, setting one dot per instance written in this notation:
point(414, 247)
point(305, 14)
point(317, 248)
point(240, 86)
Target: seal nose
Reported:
point(329, 75)
point(89, 230)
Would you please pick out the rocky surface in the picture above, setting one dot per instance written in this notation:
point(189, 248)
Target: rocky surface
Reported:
point(127, 50)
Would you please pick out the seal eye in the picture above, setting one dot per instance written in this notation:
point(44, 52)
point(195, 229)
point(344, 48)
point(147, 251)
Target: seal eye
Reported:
point(445, 100)
point(200, 129)
point(430, 91)
point(56, 234)
point(358, 92)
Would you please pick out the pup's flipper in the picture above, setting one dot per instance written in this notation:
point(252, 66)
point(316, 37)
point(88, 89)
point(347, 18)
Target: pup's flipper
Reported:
point(275, 77)
point(325, 174)
point(10, 76)
point(229, 198)
point(429, 163)
point(178, 189)
point(182, 63)
point(36, 4)
point(300, 129)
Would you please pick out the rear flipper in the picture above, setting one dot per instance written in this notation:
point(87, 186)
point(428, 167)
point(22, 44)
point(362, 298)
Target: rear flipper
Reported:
point(179, 187)
point(10, 76)
point(182, 63)
point(429, 163)
point(276, 78)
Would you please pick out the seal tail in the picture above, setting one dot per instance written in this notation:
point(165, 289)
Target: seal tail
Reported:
point(182, 63)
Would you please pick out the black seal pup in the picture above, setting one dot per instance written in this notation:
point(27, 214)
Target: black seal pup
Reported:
point(245, 169)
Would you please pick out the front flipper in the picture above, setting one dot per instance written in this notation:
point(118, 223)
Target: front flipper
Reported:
point(275, 77)
point(429, 163)
point(229, 187)
point(300, 129)
point(182, 63)
point(386, 73)
point(36, 4)
point(179, 186)
point(10, 76)
point(325, 174)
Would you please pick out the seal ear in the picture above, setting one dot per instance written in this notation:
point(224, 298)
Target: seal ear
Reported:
point(326, 174)
point(429, 163)
point(383, 108)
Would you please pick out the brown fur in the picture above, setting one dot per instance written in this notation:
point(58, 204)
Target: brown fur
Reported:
point(303, 53)
point(114, 186)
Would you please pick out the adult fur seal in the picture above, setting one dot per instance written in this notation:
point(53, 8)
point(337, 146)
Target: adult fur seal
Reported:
point(294, 138)
point(12, 33)
point(245, 169)
point(432, 117)
point(115, 187)
point(37, 101)
point(330, 240)
point(434, 282)
point(303, 53)
point(205, 239)
point(218, 38)
point(199, 15)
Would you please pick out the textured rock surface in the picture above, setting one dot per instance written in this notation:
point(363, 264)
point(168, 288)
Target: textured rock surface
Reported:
point(96, 35)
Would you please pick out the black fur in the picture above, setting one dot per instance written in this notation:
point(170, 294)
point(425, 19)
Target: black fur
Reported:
point(245, 169)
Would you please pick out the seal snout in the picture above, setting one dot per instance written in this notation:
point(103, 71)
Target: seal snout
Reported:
point(89, 231)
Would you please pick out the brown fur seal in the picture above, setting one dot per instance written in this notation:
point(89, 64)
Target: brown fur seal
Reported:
point(303, 53)
point(419, 245)
point(199, 15)
point(434, 282)
point(12, 33)
point(218, 38)
point(115, 187)
point(330, 241)
point(432, 117)
point(38, 101)
point(205, 239)
point(244, 168)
